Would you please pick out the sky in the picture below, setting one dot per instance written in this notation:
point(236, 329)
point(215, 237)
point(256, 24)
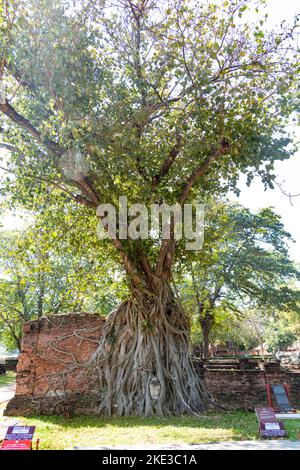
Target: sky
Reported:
point(288, 172)
point(255, 197)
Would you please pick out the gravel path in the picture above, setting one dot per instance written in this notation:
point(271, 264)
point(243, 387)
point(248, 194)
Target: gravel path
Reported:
point(7, 392)
point(231, 445)
point(6, 421)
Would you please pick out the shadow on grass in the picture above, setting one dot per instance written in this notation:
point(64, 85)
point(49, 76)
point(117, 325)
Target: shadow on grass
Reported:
point(57, 432)
point(242, 424)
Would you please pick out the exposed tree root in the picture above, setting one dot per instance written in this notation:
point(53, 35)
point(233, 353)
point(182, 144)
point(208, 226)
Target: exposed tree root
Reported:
point(143, 360)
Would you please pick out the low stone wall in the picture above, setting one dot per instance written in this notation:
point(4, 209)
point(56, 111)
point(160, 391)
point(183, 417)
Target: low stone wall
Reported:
point(52, 377)
point(242, 384)
point(238, 389)
point(246, 389)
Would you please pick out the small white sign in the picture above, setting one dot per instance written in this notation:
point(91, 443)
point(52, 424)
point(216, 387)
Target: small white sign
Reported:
point(272, 426)
point(21, 430)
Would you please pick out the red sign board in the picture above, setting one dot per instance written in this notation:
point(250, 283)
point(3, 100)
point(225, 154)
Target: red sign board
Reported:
point(269, 426)
point(16, 445)
point(19, 433)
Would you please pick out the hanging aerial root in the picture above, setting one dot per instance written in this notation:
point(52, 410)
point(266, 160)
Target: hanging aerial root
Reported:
point(143, 362)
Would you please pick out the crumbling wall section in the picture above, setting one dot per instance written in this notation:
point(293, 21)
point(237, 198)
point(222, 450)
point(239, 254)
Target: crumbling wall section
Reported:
point(53, 377)
point(52, 373)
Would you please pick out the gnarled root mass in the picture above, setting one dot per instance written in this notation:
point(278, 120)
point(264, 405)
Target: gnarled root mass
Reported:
point(143, 360)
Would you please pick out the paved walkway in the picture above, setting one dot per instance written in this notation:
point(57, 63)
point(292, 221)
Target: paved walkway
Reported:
point(287, 415)
point(5, 421)
point(231, 445)
point(7, 392)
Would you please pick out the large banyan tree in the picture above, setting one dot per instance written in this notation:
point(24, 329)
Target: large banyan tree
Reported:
point(159, 101)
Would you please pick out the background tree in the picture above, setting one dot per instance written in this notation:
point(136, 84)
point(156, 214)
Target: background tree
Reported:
point(282, 331)
point(232, 331)
point(244, 263)
point(44, 271)
point(158, 101)
point(272, 331)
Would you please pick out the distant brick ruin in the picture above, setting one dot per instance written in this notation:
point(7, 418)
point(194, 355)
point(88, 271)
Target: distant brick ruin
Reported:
point(52, 377)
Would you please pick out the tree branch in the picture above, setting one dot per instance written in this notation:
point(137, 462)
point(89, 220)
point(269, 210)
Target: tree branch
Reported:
point(91, 198)
point(168, 162)
point(167, 249)
point(77, 197)
point(285, 193)
point(12, 114)
point(4, 145)
point(12, 331)
point(201, 170)
point(85, 185)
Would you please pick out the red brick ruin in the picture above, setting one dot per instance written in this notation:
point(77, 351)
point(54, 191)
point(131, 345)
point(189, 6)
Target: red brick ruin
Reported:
point(53, 377)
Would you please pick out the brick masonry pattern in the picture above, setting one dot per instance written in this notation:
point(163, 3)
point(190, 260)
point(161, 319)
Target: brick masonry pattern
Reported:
point(58, 343)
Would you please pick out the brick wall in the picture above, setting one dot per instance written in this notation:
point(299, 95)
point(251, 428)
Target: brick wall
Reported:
point(242, 384)
point(246, 389)
point(50, 379)
point(238, 389)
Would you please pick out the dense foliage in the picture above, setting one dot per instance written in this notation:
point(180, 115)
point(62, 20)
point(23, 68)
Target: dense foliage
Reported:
point(243, 264)
point(159, 101)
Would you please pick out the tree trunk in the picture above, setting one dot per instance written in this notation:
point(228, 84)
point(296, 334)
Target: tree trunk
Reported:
point(205, 332)
point(143, 360)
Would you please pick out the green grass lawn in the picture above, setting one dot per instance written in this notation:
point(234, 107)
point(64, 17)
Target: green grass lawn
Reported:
point(8, 378)
point(58, 433)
